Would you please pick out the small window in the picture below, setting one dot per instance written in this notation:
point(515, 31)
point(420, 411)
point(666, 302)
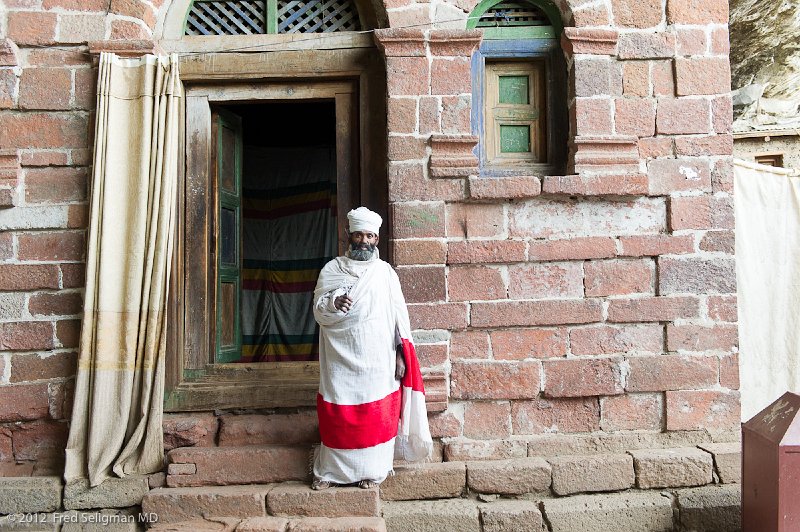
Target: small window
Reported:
point(770, 159)
point(256, 17)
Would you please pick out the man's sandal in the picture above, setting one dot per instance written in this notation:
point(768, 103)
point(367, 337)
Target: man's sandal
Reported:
point(319, 484)
point(367, 484)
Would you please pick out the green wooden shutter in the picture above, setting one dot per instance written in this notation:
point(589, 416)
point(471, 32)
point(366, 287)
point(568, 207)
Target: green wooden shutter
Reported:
point(229, 222)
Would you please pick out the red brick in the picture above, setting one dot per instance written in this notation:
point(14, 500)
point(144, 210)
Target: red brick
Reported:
point(418, 220)
point(485, 251)
point(28, 276)
point(8, 85)
point(487, 421)
point(26, 335)
point(134, 8)
point(702, 75)
point(68, 332)
point(656, 147)
point(62, 395)
point(57, 57)
point(519, 344)
point(683, 116)
point(701, 146)
point(431, 355)
point(58, 304)
point(636, 78)
point(43, 130)
point(7, 452)
point(189, 430)
point(692, 41)
point(32, 367)
point(280, 429)
point(646, 45)
point(128, 30)
point(422, 284)
point(55, 185)
point(407, 182)
point(406, 147)
point(702, 410)
point(637, 14)
point(23, 402)
point(45, 88)
point(720, 41)
point(578, 248)
point(635, 116)
point(65, 245)
point(622, 184)
point(697, 11)
point(673, 175)
point(444, 425)
point(469, 344)
point(579, 377)
point(549, 280)
point(465, 220)
point(407, 75)
point(591, 15)
point(690, 212)
point(591, 116)
point(597, 77)
point(698, 338)
point(607, 340)
point(662, 76)
point(429, 116)
point(81, 156)
point(40, 440)
point(43, 158)
point(494, 380)
point(652, 309)
point(532, 313)
point(401, 115)
point(618, 277)
point(722, 114)
point(409, 252)
point(722, 214)
point(6, 250)
point(471, 283)
point(722, 308)
point(555, 415)
point(85, 88)
point(504, 187)
point(31, 28)
point(697, 276)
point(457, 115)
point(456, 451)
point(76, 5)
point(78, 217)
point(640, 411)
point(729, 371)
point(451, 76)
point(722, 176)
point(438, 316)
point(671, 372)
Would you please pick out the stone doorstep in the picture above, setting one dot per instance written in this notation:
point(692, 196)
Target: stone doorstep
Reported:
point(277, 524)
point(112, 493)
point(727, 460)
point(30, 495)
point(291, 499)
point(711, 508)
point(672, 468)
point(425, 481)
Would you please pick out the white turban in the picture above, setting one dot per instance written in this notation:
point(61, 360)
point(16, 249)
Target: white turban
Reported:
point(363, 219)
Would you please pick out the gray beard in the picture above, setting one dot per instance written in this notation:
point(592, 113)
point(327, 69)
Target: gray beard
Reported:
point(362, 254)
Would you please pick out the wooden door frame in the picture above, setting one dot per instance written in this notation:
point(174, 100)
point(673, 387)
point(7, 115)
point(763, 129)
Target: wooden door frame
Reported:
point(355, 80)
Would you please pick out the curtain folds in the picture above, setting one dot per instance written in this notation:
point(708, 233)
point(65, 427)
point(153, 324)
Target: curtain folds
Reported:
point(117, 413)
point(767, 205)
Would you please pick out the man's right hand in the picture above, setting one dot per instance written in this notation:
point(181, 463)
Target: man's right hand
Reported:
point(343, 303)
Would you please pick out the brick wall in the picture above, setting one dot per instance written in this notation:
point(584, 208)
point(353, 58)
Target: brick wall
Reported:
point(598, 301)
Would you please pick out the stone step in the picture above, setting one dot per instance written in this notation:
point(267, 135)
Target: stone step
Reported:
point(277, 524)
point(223, 466)
point(288, 500)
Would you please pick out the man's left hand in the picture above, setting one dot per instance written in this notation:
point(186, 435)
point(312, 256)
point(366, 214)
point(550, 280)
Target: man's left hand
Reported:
point(400, 365)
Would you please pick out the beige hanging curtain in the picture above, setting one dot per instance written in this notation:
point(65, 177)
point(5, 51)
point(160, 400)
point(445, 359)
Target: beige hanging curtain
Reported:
point(116, 418)
point(767, 202)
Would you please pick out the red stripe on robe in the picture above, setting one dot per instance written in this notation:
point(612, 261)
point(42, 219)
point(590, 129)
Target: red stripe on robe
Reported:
point(358, 426)
point(413, 377)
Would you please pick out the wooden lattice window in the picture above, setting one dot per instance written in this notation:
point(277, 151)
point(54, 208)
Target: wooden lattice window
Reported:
point(253, 17)
point(516, 19)
point(513, 14)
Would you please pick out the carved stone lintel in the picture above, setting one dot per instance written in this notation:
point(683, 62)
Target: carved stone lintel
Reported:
point(8, 53)
point(590, 41)
point(452, 156)
point(605, 155)
point(125, 47)
point(401, 42)
point(458, 43)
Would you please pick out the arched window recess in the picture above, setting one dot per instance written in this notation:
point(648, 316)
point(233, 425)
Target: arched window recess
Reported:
point(519, 88)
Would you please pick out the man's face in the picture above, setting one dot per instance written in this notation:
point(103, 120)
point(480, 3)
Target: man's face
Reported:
point(362, 245)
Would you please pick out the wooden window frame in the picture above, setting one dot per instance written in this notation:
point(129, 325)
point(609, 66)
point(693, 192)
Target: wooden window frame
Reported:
point(355, 79)
point(770, 156)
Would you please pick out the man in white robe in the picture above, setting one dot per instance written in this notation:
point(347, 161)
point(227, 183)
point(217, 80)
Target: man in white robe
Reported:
point(371, 403)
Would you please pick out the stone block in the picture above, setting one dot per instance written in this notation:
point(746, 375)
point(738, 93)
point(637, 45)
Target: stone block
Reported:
point(336, 524)
point(189, 430)
point(425, 481)
point(288, 500)
point(173, 505)
point(448, 515)
point(557, 445)
point(604, 472)
point(711, 508)
point(301, 428)
point(112, 493)
point(123, 520)
point(672, 468)
point(727, 460)
point(511, 516)
point(485, 450)
point(600, 513)
point(509, 477)
point(217, 525)
point(703, 409)
point(262, 524)
point(30, 495)
point(219, 466)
